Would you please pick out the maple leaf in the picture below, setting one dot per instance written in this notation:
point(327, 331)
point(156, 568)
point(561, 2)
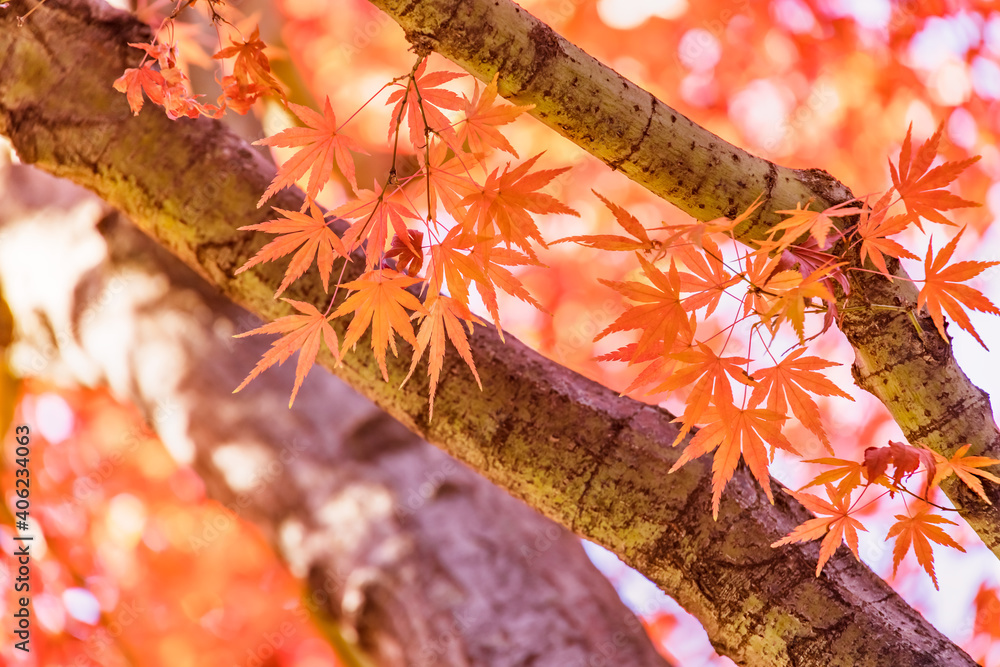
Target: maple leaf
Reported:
point(252, 70)
point(760, 268)
point(422, 100)
point(735, 431)
point(658, 366)
point(167, 87)
point(138, 80)
point(789, 382)
point(164, 53)
point(789, 293)
point(873, 228)
point(848, 472)
point(905, 458)
point(709, 280)
point(444, 315)
point(374, 211)
point(379, 300)
point(921, 190)
point(838, 527)
point(696, 231)
point(302, 333)
point(659, 315)
point(942, 289)
point(320, 144)
point(310, 234)
point(492, 262)
point(483, 115)
point(448, 180)
point(709, 374)
point(409, 254)
point(966, 468)
point(238, 96)
point(629, 223)
point(505, 201)
point(452, 264)
point(816, 223)
point(918, 530)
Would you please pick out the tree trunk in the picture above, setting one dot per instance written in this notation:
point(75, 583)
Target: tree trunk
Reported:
point(419, 558)
point(593, 461)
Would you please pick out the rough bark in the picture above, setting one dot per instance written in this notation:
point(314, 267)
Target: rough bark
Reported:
point(912, 372)
point(425, 562)
point(591, 460)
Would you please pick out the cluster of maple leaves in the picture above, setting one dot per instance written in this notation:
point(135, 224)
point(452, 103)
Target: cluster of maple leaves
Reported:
point(428, 238)
point(160, 78)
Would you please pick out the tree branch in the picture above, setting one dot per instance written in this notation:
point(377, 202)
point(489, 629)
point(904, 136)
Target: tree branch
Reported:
point(913, 373)
point(589, 459)
point(421, 560)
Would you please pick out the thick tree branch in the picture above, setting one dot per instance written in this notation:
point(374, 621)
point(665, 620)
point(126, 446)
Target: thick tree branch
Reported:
point(425, 562)
point(575, 450)
point(912, 372)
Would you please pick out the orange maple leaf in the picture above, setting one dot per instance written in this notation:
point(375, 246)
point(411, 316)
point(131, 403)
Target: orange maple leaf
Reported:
point(449, 180)
point(966, 468)
point(805, 221)
point(942, 289)
point(838, 527)
point(921, 190)
point(734, 431)
point(422, 102)
point(506, 200)
point(918, 530)
point(789, 382)
point(873, 228)
point(789, 293)
point(379, 300)
point(709, 279)
point(320, 143)
point(483, 115)
point(444, 315)
point(451, 263)
point(252, 67)
point(696, 231)
point(311, 234)
point(168, 87)
point(709, 374)
point(760, 268)
point(659, 315)
point(848, 472)
point(657, 366)
point(138, 80)
point(302, 333)
point(629, 223)
point(492, 261)
point(373, 212)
